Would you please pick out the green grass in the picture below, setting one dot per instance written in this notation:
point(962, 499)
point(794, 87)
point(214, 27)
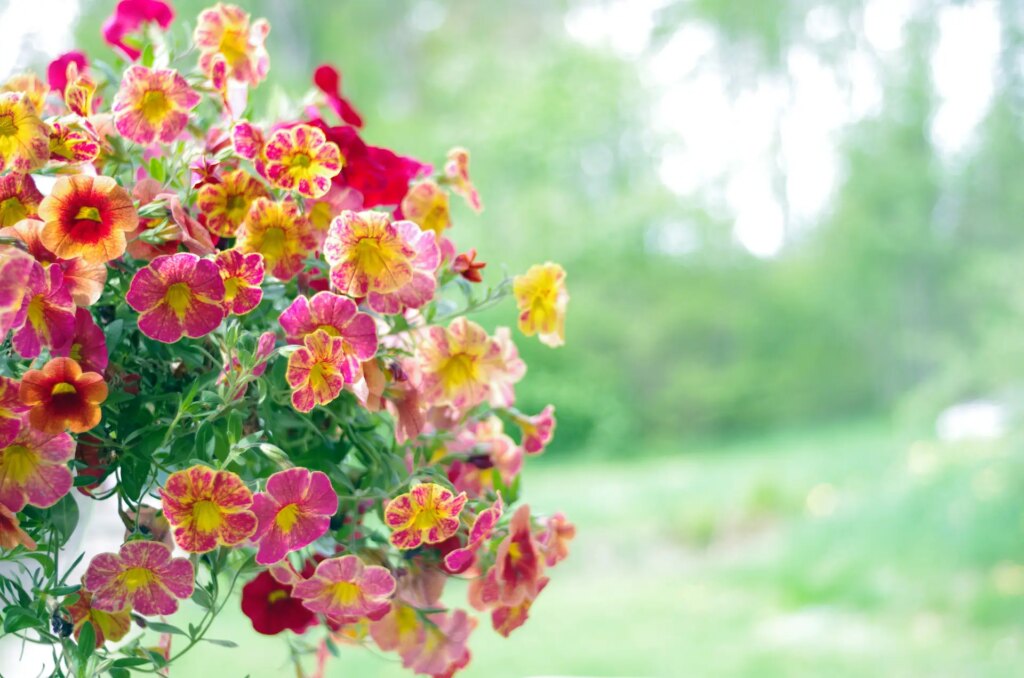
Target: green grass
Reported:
point(850, 551)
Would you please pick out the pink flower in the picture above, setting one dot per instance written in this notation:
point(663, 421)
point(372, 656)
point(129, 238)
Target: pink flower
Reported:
point(301, 159)
point(345, 589)
point(443, 649)
point(293, 512)
point(458, 364)
point(338, 317)
point(142, 576)
point(11, 409)
point(316, 371)
point(555, 539)
point(57, 71)
point(518, 569)
point(129, 16)
point(16, 269)
point(47, 316)
point(34, 468)
point(456, 171)
point(153, 105)
point(224, 35)
point(177, 294)
point(242, 275)
point(538, 430)
point(88, 344)
point(508, 370)
point(460, 559)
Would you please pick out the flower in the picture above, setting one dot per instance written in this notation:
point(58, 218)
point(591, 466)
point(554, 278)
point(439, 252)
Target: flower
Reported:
point(242, 275)
point(60, 396)
point(88, 344)
point(47, 316)
point(207, 508)
point(426, 514)
point(301, 159)
point(519, 566)
point(459, 559)
point(33, 469)
point(316, 371)
point(328, 80)
point(344, 588)
point(508, 370)
point(83, 280)
point(338, 316)
point(87, 217)
point(57, 71)
point(11, 409)
point(542, 297)
point(141, 576)
point(293, 512)
point(280, 233)
point(129, 16)
point(456, 171)
point(152, 105)
point(177, 294)
point(468, 267)
point(538, 430)
point(79, 92)
point(112, 626)
point(271, 607)
point(555, 539)
point(30, 85)
point(16, 269)
point(225, 30)
point(223, 205)
point(19, 199)
point(443, 649)
point(458, 364)
point(426, 204)
point(11, 534)
point(72, 143)
point(24, 138)
point(507, 618)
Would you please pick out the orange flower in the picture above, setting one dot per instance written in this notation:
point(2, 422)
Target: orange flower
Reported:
point(207, 508)
point(11, 533)
point(24, 138)
point(61, 396)
point(224, 205)
point(87, 217)
point(280, 233)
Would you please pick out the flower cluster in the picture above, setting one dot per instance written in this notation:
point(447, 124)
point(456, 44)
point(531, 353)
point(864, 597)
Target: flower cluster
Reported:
point(246, 331)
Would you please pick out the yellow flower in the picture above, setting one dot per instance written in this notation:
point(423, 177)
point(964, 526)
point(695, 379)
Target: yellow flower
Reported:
point(24, 138)
point(542, 297)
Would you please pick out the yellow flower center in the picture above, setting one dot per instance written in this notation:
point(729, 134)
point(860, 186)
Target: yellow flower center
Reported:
point(12, 211)
point(135, 578)
point(460, 369)
point(90, 213)
point(371, 258)
point(8, 128)
point(236, 206)
point(318, 375)
point(20, 463)
point(233, 45)
point(405, 620)
point(63, 388)
point(515, 552)
point(76, 352)
point(331, 330)
point(277, 595)
point(287, 517)
point(301, 160)
point(275, 243)
point(154, 105)
point(231, 286)
point(179, 298)
point(344, 593)
point(426, 518)
point(206, 515)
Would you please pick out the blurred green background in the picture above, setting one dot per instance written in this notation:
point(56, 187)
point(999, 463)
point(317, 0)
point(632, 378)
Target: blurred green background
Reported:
point(794, 232)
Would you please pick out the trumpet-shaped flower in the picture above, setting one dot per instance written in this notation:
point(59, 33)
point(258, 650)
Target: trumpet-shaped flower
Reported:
point(316, 371)
point(426, 204)
point(541, 296)
point(16, 269)
point(29, 84)
point(271, 607)
point(11, 534)
point(129, 16)
point(537, 430)
point(338, 316)
point(292, 513)
point(88, 344)
point(280, 233)
point(61, 396)
point(72, 143)
point(47, 313)
point(456, 171)
point(345, 589)
point(507, 618)
point(82, 279)
point(242, 275)
point(112, 626)
point(459, 559)
point(87, 217)
point(80, 91)
point(153, 105)
point(34, 469)
point(19, 199)
point(555, 539)
point(458, 364)
point(301, 159)
point(141, 576)
point(207, 508)
point(11, 409)
point(24, 138)
point(223, 205)
point(328, 80)
point(468, 267)
point(225, 30)
point(519, 564)
point(426, 514)
point(178, 294)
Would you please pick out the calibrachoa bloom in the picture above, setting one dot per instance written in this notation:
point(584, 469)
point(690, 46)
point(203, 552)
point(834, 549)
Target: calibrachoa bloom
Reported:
point(279, 232)
point(207, 508)
point(337, 316)
point(16, 269)
point(19, 199)
point(456, 170)
point(345, 589)
point(87, 217)
point(61, 396)
point(153, 105)
point(537, 430)
point(141, 576)
point(458, 364)
point(316, 371)
point(178, 294)
point(555, 539)
point(301, 159)
point(24, 138)
point(223, 205)
point(72, 143)
point(57, 71)
point(30, 85)
point(519, 565)
point(47, 314)
point(79, 92)
point(426, 204)
point(271, 607)
point(88, 344)
point(225, 30)
point(11, 409)
point(426, 514)
point(11, 534)
point(112, 626)
point(293, 512)
point(328, 80)
point(542, 297)
point(459, 559)
point(129, 16)
point(34, 469)
point(242, 274)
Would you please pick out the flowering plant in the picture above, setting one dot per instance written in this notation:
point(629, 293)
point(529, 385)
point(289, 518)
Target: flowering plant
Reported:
point(249, 339)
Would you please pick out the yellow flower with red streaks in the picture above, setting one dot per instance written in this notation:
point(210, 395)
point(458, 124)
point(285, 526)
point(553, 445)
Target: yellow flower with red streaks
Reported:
point(367, 254)
point(316, 370)
point(19, 199)
point(225, 30)
point(178, 295)
point(11, 534)
point(542, 297)
point(207, 508)
point(426, 204)
point(346, 590)
point(79, 91)
point(456, 172)
point(87, 217)
point(301, 159)
point(34, 469)
point(24, 137)
point(458, 364)
point(72, 142)
point(426, 514)
point(223, 206)
point(279, 232)
point(112, 626)
point(61, 396)
point(142, 577)
point(242, 275)
point(153, 105)
point(31, 85)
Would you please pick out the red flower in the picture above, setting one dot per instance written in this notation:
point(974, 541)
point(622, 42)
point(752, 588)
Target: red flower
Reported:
point(62, 397)
point(128, 16)
point(57, 71)
point(271, 607)
point(468, 267)
point(328, 80)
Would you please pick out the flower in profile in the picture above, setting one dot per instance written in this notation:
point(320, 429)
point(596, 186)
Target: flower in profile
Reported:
point(426, 514)
point(223, 205)
point(72, 143)
point(31, 85)
point(16, 269)
point(338, 316)
point(456, 171)
point(82, 279)
point(316, 371)
point(24, 138)
point(541, 296)
point(11, 534)
point(537, 430)
point(177, 294)
point(87, 217)
point(225, 30)
point(345, 589)
point(507, 618)
point(112, 626)
point(443, 650)
point(152, 105)
point(248, 140)
point(328, 80)
point(468, 267)
point(426, 204)
point(129, 16)
point(458, 364)
point(459, 559)
point(19, 199)
point(47, 313)
point(242, 275)
point(279, 232)
point(79, 92)
point(271, 607)
point(61, 396)
point(554, 541)
point(207, 508)
point(301, 159)
point(11, 409)
point(519, 564)
point(34, 469)
point(293, 512)
point(141, 576)
point(57, 70)
point(88, 344)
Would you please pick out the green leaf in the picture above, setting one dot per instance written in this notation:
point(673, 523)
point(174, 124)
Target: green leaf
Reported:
point(161, 627)
point(202, 598)
point(114, 333)
point(19, 618)
point(63, 517)
point(148, 57)
point(65, 590)
point(120, 673)
point(222, 643)
point(86, 643)
point(44, 560)
point(130, 661)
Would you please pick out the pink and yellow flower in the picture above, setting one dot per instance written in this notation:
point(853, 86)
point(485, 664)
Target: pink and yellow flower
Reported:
point(34, 469)
point(31, 86)
point(301, 159)
point(19, 199)
point(426, 204)
point(279, 232)
point(554, 541)
point(88, 344)
point(24, 138)
point(426, 514)
point(178, 294)
point(207, 508)
point(224, 205)
point(459, 559)
point(507, 618)
point(225, 30)
point(338, 316)
point(537, 430)
point(242, 275)
point(142, 576)
point(509, 369)
point(87, 217)
point(346, 590)
point(458, 364)
point(79, 92)
point(47, 316)
point(72, 143)
point(112, 626)
point(82, 279)
point(293, 512)
point(11, 409)
point(456, 171)
point(519, 565)
point(153, 105)
point(61, 396)
point(541, 296)
point(11, 534)
point(16, 269)
point(316, 371)
point(57, 70)
point(129, 16)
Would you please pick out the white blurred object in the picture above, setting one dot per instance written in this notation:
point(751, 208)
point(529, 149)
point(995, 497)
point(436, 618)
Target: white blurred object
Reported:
point(972, 420)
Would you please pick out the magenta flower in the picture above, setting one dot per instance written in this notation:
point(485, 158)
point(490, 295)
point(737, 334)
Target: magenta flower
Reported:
point(316, 371)
point(88, 344)
point(242, 274)
point(293, 512)
point(177, 294)
point(11, 409)
point(47, 315)
point(339, 317)
point(57, 71)
point(142, 576)
point(34, 468)
point(129, 16)
point(346, 590)
point(538, 430)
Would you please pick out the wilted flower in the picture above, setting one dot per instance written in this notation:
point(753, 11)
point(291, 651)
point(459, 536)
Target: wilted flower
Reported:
point(301, 159)
point(19, 199)
point(60, 396)
point(142, 577)
point(24, 138)
point(153, 105)
point(344, 588)
point(207, 508)
point(34, 469)
point(293, 512)
point(279, 232)
point(271, 607)
point(468, 267)
point(554, 541)
point(225, 31)
point(177, 294)
point(426, 514)
point(542, 297)
point(87, 217)
point(242, 275)
point(223, 205)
